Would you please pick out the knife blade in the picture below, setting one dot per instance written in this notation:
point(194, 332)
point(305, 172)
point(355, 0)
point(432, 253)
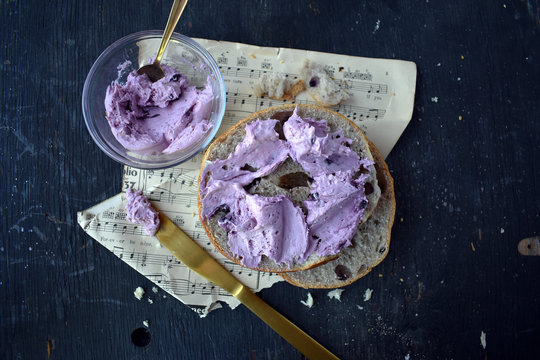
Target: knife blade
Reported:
point(197, 259)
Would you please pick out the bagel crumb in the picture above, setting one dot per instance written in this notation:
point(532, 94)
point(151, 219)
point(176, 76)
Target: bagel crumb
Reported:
point(336, 294)
point(367, 294)
point(309, 301)
point(139, 293)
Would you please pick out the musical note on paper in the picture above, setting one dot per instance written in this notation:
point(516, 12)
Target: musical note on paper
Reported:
point(118, 227)
point(382, 96)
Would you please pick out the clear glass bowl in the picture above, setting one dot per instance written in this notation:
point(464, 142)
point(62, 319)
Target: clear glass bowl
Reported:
point(182, 53)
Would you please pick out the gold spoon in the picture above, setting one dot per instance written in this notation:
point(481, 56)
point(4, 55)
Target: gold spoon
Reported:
point(154, 70)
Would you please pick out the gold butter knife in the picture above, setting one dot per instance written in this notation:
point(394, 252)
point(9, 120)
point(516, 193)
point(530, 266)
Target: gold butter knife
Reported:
point(197, 259)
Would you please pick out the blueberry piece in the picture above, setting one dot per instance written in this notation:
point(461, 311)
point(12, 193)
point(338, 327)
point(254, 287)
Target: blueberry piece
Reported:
point(314, 81)
point(223, 207)
point(342, 272)
point(368, 188)
point(249, 168)
point(175, 77)
point(282, 116)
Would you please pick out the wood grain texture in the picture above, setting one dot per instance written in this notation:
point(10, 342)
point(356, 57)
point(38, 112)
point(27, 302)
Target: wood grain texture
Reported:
point(466, 174)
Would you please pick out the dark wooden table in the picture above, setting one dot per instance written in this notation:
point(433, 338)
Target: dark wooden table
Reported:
point(466, 172)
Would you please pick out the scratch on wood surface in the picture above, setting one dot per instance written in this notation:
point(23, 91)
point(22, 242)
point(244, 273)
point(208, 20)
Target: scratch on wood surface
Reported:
point(104, 301)
point(55, 219)
point(421, 288)
point(315, 10)
point(28, 146)
point(39, 234)
point(534, 14)
point(82, 271)
point(49, 347)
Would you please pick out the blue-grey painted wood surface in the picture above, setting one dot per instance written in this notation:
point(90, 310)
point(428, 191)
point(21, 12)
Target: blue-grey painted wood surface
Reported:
point(466, 172)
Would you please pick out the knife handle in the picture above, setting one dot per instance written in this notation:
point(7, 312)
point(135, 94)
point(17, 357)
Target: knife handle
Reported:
point(280, 324)
point(197, 259)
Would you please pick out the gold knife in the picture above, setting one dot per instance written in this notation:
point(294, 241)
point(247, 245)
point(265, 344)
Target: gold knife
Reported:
point(197, 259)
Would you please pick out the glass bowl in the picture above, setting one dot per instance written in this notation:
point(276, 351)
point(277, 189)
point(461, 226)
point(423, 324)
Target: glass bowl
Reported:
point(129, 53)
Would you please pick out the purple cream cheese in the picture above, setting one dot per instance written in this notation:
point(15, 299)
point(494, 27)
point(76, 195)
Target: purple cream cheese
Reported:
point(258, 225)
point(161, 117)
point(140, 211)
point(316, 150)
point(273, 226)
point(259, 154)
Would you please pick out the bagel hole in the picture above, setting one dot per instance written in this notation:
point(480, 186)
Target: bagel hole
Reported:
point(293, 180)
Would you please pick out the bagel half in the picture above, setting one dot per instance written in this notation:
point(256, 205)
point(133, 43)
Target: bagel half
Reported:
point(272, 185)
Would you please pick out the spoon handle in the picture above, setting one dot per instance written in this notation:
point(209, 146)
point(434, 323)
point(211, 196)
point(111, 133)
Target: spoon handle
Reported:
point(176, 11)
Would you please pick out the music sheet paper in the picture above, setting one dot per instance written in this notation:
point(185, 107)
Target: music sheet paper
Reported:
point(381, 103)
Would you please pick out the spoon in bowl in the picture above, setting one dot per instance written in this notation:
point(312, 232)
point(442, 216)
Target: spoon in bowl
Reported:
point(154, 70)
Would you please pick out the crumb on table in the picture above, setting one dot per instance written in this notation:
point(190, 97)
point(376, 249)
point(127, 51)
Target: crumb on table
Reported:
point(139, 293)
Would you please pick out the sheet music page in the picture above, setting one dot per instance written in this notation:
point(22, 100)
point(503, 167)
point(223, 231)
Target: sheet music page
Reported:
point(381, 103)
